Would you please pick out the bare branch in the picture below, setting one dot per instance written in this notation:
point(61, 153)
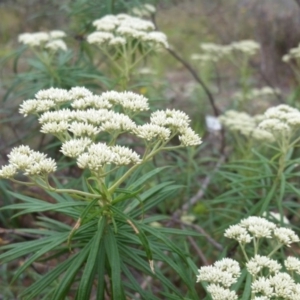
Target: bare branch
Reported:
point(198, 250)
point(198, 79)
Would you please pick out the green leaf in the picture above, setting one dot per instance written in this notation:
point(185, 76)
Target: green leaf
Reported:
point(68, 279)
point(66, 208)
point(53, 242)
point(133, 257)
point(37, 287)
point(147, 195)
point(247, 287)
point(137, 229)
point(100, 262)
point(112, 252)
point(136, 286)
point(87, 278)
point(24, 248)
point(145, 178)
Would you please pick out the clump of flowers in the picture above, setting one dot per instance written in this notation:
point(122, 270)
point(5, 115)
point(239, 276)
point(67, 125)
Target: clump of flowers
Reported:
point(247, 47)
point(145, 10)
point(246, 125)
point(253, 94)
point(212, 52)
point(282, 122)
point(126, 40)
point(238, 54)
point(294, 53)
point(279, 123)
point(292, 58)
point(88, 122)
point(122, 29)
point(51, 41)
point(269, 281)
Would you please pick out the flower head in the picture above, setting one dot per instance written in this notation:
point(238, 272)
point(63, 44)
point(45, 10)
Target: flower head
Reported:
point(262, 285)
point(188, 137)
point(150, 132)
point(75, 147)
point(8, 171)
point(48, 40)
point(119, 30)
point(258, 262)
point(97, 156)
point(286, 236)
point(33, 39)
point(172, 118)
point(56, 45)
point(220, 293)
point(224, 272)
point(292, 264)
point(55, 94)
point(125, 156)
point(118, 122)
point(238, 233)
point(258, 227)
point(31, 162)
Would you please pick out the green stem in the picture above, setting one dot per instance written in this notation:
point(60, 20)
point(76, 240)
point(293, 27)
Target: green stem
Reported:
point(71, 191)
point(255, 245)
point(244, 252)
point(22, 182)
point(48, 63)
point(154, 151)
point(274, 250)
point(140, 58)
point(118, 182)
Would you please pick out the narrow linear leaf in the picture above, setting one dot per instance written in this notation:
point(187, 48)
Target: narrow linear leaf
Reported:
point(37, 287)
point(113, 256)
point(53, 243)
point(67, 280)
point(90, 267)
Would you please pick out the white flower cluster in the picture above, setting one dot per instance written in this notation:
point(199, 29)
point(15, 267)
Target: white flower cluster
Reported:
point(294, 53)
point(177, 122)
point(246, 125)
point(292, 264)
point(268, 280)
point(248, 47)
point(281, 120)
point(278, 286)
point(98, 155)
point(257, 93)
point(118, 30)
point(257, 227)
point(89, 115)
point(30, 162)
point(257, 263)
point(145, 10)
point(221, 276)
point(49, 40)
point(212, 52)
point(278, 122)
point(80, 98)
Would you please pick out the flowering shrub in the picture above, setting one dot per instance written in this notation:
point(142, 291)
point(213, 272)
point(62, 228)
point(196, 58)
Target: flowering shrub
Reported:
point(90, 132)
point(266, 278)
point(279, 124)
point(91, 116)
point(126, 40)
point(48, 40)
